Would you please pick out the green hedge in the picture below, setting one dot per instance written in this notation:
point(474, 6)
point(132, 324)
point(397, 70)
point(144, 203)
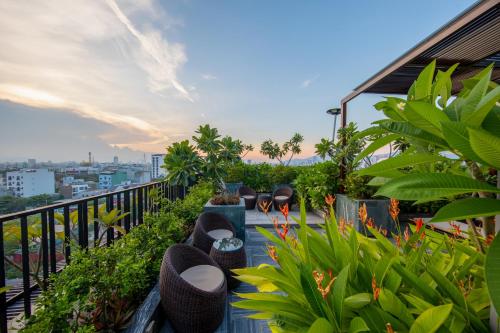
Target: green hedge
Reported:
point(102, 287)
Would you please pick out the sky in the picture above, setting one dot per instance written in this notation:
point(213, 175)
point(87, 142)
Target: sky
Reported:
point(129, 77)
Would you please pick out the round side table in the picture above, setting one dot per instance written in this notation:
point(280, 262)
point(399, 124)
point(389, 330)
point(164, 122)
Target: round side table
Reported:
point(267, 198)
point(229, 253)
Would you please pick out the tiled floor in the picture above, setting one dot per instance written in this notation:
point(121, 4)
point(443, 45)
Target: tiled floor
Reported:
point(254, 217)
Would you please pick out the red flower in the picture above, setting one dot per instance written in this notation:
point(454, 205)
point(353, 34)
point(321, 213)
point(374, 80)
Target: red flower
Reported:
point(363, 214)
point(376, 290)
point(420, 223)
point(489, 239)
point(398, 241)
point(394, 209)
point(318, 277)
point(370, 223)
point(407, 234)
point(264, 205)
point(456, 229)
point(271, 250)
point(284, 210)
point(389, 328)
point(330, 200)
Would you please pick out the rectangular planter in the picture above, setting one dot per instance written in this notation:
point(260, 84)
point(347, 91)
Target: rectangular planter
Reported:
point(378, 209)
point(234, 213)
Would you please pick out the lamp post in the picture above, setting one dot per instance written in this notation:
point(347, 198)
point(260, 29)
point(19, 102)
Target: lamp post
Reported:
point(334, 112)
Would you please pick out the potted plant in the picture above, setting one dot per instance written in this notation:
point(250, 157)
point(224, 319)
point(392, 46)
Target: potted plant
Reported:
point(232, 207)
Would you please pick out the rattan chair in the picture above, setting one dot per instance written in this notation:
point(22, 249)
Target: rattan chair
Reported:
point(188, 308)
point(281, 196)
point(249, 195)
point(208, 222)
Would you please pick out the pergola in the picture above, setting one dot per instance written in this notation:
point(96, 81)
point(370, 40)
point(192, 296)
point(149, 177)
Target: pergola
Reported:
point(471, 39)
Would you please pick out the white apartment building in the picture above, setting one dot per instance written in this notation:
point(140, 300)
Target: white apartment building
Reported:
point(157, 161)
point(29, 182)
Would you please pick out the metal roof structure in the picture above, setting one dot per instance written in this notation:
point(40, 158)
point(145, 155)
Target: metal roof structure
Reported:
point(471, 39)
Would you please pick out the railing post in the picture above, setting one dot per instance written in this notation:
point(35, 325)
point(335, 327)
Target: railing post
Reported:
point(146, 203)
point(26, 266)
point(110, 233)
point(3, 296)
point(52, 238)
point(85, 220)
point(45, 247)
point(134, 207)
point(80, 224)
point(126, 209)
point(96, 224)
point(139, 205)
point(67, 235)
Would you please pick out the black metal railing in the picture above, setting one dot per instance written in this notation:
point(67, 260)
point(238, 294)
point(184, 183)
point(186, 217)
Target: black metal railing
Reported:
point(51, 255)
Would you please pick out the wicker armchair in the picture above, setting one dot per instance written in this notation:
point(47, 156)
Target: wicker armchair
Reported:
point(281, 196)
point(188, 308)
point(209, 227)
point(249, 195)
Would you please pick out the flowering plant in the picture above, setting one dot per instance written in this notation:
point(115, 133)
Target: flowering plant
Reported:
point(335, 279)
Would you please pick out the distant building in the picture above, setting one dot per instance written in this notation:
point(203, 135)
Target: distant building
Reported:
point(115, 160)
point(109, 179)
point(31, 163)
point(30, 182)
point(74, 191)
point(157, 161)
point(142, 177)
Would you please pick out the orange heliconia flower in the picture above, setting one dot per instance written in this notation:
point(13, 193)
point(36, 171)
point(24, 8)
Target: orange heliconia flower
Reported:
point(394, 209)
point(318, 277)
point(271, 250)
point(383, 231)
point(363, 214)
point(284, 210)
point(407, 234)
point(419, 222)
point(456, 229)
point(264, 205)
point(330, 200)
point(282, 229)
point(389, 328)
point(398, 241)
point(275, 221)
point(489, 239)
point(370, 222)
point(376, 290)
point(342, 225)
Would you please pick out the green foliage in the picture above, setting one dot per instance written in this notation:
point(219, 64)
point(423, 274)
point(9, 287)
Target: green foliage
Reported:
point(339, 278)
point(273, 150)
point(12, 204)
point(356, 186)
point(262, 177)
point(314, 182)
point(102, 287)
point(493, 272)
point(182, 163)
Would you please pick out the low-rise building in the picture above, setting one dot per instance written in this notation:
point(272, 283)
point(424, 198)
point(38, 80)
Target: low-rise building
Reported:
point(30, 182)
point(109, 179)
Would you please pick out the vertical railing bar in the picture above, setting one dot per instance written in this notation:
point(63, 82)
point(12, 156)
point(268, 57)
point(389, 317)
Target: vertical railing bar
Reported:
point(126, 209)
point(119, 207)
point(3, 296)
point(95, 204)
point(80, 224)
point(110, 231)
point(85, 225)
point(139, 205)
point(146, 203)
point(134, 207)
point(45, 247)
point(52, 238)
point(26, 266)
point(67, 235)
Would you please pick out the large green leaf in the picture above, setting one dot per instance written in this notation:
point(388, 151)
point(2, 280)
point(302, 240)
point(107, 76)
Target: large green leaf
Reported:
point(311, 293)
point(425, 116)
point(457, 136)
point(401, 161)
point(375, 145)
point(412, 132)
point(473, 100)
point(430, 320)
point(426, 186)
point(320, 325)
point(486, 104)
point(338, 292)
point(367, 132)
point(467, 208)
point(423, 84)
point(486, 146)
point(357, 325)
point(392, 304)
point(492, 272)
point(442, 86)
point(358, 301)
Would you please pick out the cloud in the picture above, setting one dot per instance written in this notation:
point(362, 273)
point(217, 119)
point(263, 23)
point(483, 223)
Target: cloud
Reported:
point(308, 82)
point(208, 77)
point(97, 60)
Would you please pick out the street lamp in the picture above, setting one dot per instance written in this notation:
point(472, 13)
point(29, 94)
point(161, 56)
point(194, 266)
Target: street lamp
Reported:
point(334, 112)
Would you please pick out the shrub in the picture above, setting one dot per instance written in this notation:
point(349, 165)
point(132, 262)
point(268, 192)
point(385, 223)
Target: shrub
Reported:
point(356, 186)
point(101, 287)
point(314, 182)
point(262, 177)
point(225, 199)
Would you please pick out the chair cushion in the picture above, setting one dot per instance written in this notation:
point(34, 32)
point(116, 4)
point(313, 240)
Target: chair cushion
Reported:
point(281, 197)
point(248, 196)
point(204, 277)
point(220, 233)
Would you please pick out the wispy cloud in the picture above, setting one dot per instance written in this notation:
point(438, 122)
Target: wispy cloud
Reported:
point(99, 60)
point(208, 77)
point(308, 82)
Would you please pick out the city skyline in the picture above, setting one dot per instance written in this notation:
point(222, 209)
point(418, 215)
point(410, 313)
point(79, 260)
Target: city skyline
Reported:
point(128, 77)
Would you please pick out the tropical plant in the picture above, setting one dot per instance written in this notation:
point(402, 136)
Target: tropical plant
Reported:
point(335, 279)
point(109, 222)
point(314, 182)
point(182, 163)
point(291, 147)
point(323, 149)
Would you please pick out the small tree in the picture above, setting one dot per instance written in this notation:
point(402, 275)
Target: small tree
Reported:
point(273, 150)
point(182, 163)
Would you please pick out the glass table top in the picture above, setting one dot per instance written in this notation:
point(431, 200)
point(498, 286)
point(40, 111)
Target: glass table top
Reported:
point(228, 244)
